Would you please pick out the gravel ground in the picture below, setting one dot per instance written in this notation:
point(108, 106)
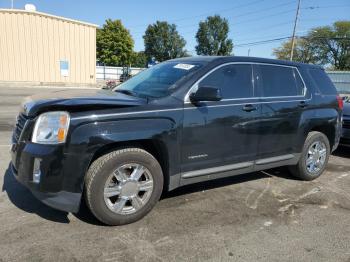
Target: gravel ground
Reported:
point(264, 216)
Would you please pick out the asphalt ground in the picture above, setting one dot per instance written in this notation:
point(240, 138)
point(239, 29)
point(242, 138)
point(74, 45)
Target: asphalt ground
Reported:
point(263, 216)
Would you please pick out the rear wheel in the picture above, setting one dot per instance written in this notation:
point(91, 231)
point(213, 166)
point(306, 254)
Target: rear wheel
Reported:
point(314, 157)
point(123, 186)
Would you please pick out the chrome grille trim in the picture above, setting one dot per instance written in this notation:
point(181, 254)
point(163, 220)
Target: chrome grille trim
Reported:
point(20, 124)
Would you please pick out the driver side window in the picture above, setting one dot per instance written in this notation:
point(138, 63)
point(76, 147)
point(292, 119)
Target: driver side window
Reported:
point(234, 81)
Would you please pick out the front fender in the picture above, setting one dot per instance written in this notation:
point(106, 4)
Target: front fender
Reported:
point(94, 135)
point(85, 139)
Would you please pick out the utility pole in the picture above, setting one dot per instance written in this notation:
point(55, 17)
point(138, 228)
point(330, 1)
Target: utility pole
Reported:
point(294, 29)
point(248, 51)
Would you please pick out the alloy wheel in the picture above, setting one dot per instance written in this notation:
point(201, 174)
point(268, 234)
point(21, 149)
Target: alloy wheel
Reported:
point(128, 189)
point(316, 157)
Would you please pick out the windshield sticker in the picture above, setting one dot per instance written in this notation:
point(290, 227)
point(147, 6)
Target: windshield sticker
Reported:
point(184, 66)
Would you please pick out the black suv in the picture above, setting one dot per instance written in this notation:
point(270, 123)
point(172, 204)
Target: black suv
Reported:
point(345, 139)
point(180, 122)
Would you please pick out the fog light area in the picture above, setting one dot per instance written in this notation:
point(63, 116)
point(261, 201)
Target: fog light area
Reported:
point(36, 170)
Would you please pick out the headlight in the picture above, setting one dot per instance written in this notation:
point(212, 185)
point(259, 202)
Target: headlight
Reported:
point(51, 128)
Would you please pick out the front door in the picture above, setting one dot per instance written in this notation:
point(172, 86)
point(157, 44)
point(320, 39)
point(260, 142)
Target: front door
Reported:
point(222, 133)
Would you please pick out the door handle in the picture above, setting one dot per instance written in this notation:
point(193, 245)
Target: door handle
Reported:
point(303, 104)
point(249, 108)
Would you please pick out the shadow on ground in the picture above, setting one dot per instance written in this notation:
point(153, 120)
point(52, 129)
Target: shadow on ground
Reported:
point(22, 198)
point(342, 151)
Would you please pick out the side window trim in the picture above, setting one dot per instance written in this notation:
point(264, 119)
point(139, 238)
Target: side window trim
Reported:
point(255, 72)
point(195, 85)
point(260, 86)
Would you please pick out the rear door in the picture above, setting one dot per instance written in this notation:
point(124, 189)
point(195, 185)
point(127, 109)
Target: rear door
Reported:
point(283, 100)
point(222, 133)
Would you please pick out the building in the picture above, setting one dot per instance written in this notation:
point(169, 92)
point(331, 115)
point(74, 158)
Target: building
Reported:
point(43, 49)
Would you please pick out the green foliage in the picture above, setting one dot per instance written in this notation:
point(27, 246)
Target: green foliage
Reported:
point(333, 44)
point(326, 45)
point(212, 37)
point(139, 59)
point(304, 51)
point(163, 41)
point(114, 44)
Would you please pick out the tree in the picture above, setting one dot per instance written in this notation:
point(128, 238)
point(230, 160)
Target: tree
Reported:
point(163, 41)
point(333, 44)
point(212, 37)
point(114, 44)
point(139, 59)
point(325, 45)
point(304, 51)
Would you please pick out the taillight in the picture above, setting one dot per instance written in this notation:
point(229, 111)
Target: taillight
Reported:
point(340, 102)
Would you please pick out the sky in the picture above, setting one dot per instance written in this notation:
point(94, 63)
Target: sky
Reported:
point(249, 20)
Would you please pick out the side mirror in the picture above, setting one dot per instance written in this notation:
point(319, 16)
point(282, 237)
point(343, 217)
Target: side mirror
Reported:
point(206, 93)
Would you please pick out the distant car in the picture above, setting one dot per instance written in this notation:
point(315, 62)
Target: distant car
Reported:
point(177, 123)
point(345, 138)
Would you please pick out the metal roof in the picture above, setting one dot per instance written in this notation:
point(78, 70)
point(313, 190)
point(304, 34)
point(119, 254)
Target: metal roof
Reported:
point(20, 11)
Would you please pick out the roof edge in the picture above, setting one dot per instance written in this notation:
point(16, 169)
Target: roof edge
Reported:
point(48, 15)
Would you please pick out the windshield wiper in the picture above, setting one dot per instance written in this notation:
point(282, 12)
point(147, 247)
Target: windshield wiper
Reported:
point(126, 92)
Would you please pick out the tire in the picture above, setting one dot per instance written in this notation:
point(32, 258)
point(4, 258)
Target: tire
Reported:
point(302, 169)
point(101, 177)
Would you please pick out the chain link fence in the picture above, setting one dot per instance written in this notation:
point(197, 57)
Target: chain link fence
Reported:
point(341, 80)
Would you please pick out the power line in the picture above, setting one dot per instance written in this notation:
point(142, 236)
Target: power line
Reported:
point(235, 17)
point(245, 14)
point(263, 41)
point(212, 12)
point(289, 37)
point(279, 39)
point(263, 17)
point(266, 27)
point(321, 7)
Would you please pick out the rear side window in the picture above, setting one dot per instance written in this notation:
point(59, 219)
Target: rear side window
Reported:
point(234, 81)
point(322, 81)
point(280, 81)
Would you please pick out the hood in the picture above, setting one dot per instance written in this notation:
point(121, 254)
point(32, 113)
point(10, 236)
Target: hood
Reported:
point(78, 100)
point(346, 109)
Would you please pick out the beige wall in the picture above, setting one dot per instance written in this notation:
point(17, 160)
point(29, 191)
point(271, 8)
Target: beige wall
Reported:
point(32, 45)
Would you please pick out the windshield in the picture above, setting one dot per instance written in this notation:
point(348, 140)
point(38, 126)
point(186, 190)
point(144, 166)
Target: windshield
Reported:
point(159, 80)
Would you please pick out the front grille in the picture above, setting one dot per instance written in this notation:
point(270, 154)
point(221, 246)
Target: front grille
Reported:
point(346, 123)
point(20, 123)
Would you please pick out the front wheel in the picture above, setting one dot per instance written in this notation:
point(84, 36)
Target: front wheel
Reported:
point(123, 186)
point(314, 157)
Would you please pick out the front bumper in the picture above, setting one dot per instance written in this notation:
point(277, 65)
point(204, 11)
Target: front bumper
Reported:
point(57, 188)
point(64, 201)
